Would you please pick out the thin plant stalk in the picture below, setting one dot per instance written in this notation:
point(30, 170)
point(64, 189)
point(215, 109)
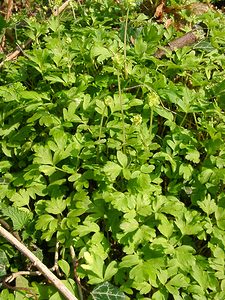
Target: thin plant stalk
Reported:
point(100, 132)
point(122, 112)
point(125, 46)
point(151, 121)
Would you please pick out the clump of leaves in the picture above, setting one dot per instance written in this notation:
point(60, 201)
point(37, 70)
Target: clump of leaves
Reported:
point(119, 154)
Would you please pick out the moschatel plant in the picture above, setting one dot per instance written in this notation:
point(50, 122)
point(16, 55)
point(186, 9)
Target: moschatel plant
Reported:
point(112, 159)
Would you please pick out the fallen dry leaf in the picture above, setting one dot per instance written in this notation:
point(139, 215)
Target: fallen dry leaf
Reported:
point(159, 11)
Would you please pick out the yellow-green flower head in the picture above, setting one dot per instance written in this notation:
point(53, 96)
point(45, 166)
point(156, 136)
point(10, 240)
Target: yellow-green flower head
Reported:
point(108, 101)
point(137, 120)
point(68, 40)
point(118, 59)
point(131, 3)
point(153, 99)
point(57, 2)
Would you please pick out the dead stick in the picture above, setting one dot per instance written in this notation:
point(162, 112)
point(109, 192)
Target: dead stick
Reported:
point(7, 17)
point(74, 260)
point(9, 9)
point(40, 266)
point(8, 227)
point(14, 55)
point(19, 288)
point(56, 265)
point(58, 10)
point(13, 276)
point(186, 40)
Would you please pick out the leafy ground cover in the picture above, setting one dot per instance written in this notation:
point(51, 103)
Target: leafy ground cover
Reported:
point(113, 158)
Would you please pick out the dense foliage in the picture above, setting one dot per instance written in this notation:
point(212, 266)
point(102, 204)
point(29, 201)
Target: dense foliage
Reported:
point(108, 149)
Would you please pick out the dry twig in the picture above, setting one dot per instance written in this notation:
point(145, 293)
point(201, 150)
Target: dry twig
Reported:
point(25, 289)
point(13, 276)
point(186, 40)
point(56, 266)
point(38, 264)
point(9, 9)
point(7, 17)
point(74, 260)
point(58, 10)
point(8, 227)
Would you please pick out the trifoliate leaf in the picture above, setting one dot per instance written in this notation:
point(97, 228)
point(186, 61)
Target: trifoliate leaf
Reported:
point(55, 206)
point(194, 156)
point(112, 170)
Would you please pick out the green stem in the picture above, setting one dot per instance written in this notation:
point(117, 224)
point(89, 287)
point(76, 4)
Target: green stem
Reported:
point(100, 133)
point(122, 112)
point(125, 46)
point(182, 122)
point(196, 122)
point(151, 121)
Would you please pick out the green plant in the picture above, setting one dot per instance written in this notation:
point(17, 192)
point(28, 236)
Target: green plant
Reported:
point(106, 149)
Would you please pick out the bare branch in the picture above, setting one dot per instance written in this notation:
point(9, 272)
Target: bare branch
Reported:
point(7, 17)
point(56, 266)
point(20, 288)
point(186, 40)
point(15, 54)
point(9, 9)
point(13, 276)
point(39, 265)
point(58, 10)
point(74, 260)
point(8, 227)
